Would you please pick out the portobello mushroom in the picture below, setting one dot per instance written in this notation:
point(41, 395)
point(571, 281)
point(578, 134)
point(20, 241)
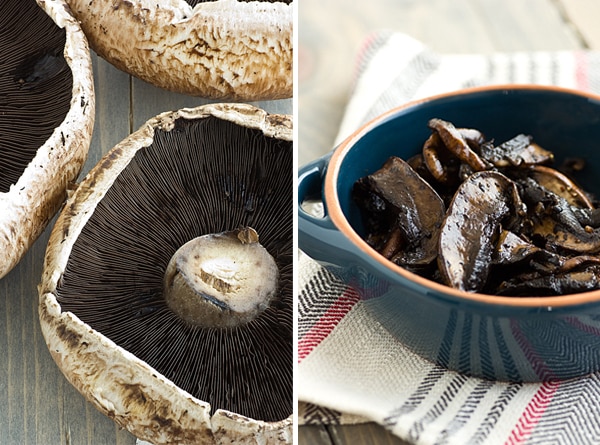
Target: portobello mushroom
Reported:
point(219, 49)
point(148, 302)
point(47, 108)
point(561, 185)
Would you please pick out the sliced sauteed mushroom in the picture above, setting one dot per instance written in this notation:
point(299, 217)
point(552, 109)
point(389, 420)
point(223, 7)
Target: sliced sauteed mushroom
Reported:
point(536, 283)
point(167, 297)
point(517, 151)
point(456, 143)
point(482, 205)
point(512, 249)
point(438, 160)
point(218, 49)
point(561, 185)
point(513, 225)
point(556, 222)
point(407, 212)
point(46, 118)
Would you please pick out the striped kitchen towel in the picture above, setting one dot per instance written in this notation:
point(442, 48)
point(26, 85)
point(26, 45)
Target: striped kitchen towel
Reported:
point(351, 369)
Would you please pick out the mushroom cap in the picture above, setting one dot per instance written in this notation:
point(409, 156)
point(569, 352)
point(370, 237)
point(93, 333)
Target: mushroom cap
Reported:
point(119, 383)
point(30, 202)
point(223, 49)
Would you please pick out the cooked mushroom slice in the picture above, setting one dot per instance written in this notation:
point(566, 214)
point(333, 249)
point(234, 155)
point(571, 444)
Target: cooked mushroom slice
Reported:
point(536, 284)
point(417, 163)
point(473, 137)
point(482, 205)
point(220, 49)
point(579, 261)
point(587, 217)
point(557, 222)
point(518, 151)
point(414, 211)
point(455, 142)
point(151, 301)
point(561, 185)
point(444, 191)
point(439, 161)
point(512, 248)
point(561, 230)
point(47, 115)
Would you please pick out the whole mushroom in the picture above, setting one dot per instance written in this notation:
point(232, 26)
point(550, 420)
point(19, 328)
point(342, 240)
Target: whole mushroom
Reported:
point(166, 297)
point(220, 49)
point(47, 107)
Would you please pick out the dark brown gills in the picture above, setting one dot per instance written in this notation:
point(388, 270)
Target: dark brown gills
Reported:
point(35, 84)
point(204, 176)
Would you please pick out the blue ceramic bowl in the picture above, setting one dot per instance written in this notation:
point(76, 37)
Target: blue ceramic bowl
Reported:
point(503, 338)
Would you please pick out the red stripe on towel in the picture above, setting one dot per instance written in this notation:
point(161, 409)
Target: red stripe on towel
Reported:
point(594, 330)
point(330, 319)
point(533, 412)
point(581, 70)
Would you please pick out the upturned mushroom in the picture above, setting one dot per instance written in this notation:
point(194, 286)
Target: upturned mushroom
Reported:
point(220, 49)
point(47, 108)
point(166, 297)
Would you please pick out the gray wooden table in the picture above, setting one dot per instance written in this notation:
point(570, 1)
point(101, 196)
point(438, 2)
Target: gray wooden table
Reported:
point(38, 405)
point(329, 35)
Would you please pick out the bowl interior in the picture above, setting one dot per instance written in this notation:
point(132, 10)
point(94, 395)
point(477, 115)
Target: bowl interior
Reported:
point(564, 122)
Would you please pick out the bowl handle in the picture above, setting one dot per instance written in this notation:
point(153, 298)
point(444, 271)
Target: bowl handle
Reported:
point(318, 237)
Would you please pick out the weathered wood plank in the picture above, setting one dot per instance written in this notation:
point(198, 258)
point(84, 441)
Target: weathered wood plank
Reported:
point(583, 17)
point(112, 121)
point(149, 101)
point(314, 435)
point(367, 433)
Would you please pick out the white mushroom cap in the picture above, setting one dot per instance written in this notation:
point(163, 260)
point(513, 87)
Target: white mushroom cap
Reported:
point(117, 382)
point(35, 198)
point(223, 49)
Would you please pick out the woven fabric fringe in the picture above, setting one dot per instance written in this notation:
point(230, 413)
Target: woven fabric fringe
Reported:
point(350, 368)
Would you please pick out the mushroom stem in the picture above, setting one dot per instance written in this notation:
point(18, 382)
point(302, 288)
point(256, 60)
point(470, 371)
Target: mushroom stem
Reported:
point(221, 280)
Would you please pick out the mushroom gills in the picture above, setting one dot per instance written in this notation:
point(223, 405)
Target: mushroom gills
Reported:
point(197, 177)
point(35, 85)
